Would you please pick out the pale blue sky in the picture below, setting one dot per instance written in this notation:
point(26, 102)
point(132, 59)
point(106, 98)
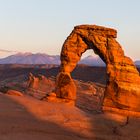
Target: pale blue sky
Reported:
point(43, 25)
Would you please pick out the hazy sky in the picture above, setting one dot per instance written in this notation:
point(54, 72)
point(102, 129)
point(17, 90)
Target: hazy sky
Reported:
point(43, 25)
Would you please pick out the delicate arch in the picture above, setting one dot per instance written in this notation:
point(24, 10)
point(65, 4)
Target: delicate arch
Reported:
point(123, 85)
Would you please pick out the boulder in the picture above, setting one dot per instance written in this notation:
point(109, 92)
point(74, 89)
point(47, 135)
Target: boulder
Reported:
point(14, 92)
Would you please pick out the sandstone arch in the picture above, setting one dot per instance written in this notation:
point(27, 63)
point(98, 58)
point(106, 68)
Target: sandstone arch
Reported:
point(123, 85)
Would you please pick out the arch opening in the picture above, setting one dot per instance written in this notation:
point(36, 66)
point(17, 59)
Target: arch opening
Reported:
point(90, 79)
point(90, 68)
point(95, 49)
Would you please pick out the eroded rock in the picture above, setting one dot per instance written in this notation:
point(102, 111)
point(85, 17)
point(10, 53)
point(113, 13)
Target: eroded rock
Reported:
point(14, 92)
point(123, 84)
point(39, 86)
point(65, 87)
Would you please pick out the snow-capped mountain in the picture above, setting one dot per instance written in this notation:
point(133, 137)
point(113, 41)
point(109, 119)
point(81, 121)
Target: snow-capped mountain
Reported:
point(41, 58)
point(29, 58)
point(92, 61)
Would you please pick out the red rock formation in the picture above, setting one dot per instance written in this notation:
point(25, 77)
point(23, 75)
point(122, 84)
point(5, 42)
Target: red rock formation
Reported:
point(39, 86)
point(123, 85)
point(65, 87)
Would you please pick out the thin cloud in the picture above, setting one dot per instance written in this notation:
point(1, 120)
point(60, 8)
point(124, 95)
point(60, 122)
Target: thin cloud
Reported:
point(6, 51)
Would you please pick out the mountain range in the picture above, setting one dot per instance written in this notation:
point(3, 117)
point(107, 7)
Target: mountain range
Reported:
point(92, 61)
point(29, 58)
point(137, 63)
point(42, 58)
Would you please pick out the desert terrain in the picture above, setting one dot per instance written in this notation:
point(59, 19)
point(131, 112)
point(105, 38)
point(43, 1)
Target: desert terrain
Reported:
point(25, 115)
point(69, 70)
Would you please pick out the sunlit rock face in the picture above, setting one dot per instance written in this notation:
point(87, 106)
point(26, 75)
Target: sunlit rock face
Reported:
point(39, 86)
point(65, 86)
point(123, 83)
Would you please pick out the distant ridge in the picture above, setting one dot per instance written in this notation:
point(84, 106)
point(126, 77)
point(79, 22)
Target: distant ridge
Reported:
point(97, 61)
point(137, 63)
point(42, 58)
point(29, 58)
point(92, 61)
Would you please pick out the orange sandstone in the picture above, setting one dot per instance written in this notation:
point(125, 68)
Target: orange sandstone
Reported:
point(123, 83)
